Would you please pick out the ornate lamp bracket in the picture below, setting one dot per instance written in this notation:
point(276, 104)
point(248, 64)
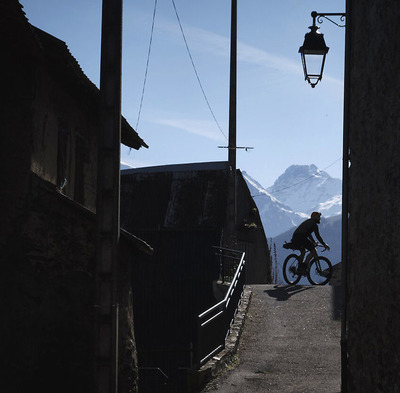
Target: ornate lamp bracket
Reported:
point(326, 15)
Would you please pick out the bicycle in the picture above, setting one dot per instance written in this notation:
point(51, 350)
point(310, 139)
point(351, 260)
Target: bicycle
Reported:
point(318, 270)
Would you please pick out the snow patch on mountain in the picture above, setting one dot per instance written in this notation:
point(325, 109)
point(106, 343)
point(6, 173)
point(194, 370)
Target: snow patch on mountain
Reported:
point(275, 216)
point(331, 207)
point(305, 187)
point(299, 191)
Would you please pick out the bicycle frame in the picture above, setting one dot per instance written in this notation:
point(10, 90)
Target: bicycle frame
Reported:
point(304, 252)
point(313, 270)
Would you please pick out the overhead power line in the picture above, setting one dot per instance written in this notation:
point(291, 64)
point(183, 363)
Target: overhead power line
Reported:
point(301, 181)
point(147, 64)
point(195, 71)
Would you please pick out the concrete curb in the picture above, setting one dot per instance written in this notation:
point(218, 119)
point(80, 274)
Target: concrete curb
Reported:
point(221, 360)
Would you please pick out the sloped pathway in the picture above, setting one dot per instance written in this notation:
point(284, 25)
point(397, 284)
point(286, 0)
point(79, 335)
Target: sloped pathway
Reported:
point(290, 344)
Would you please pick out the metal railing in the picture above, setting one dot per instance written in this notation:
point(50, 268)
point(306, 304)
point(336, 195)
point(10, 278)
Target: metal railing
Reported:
point(228, 263)
point(215, 323)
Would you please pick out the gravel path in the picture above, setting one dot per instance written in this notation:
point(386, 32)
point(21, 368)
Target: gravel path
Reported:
point(290, 344)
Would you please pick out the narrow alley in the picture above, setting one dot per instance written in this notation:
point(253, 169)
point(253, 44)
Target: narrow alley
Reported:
point(290, 343)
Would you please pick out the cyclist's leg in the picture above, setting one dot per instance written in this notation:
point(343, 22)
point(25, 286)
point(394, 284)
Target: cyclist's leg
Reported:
point(302, 268)
point(312, 252)
point(299, 242)
point(302, 253)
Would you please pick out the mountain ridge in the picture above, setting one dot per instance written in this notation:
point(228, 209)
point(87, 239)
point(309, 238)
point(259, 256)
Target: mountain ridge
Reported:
point(300, 190)
point(305, 187)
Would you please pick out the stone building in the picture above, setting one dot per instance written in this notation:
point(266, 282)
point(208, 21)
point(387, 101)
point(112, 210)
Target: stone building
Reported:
point(49, 131)
point(373, 265)
point(181, 210)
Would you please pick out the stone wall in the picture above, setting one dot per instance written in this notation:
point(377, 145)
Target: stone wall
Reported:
point(374, 194)
point(47, 295)
point(49, 116)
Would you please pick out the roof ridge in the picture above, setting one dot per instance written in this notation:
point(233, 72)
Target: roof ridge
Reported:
point(185, 167)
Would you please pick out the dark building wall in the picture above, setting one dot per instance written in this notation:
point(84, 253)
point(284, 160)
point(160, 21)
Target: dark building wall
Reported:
point(65, 142)
point(181, 211)
point(49, 120)
point(65, 125)
point(171, 288)
point(181, 214)
point(251, 237)
point(49, 116)
point(47, 296)
point(374, 196)
point(194, 197)
point(16, 114)
point(174, 197)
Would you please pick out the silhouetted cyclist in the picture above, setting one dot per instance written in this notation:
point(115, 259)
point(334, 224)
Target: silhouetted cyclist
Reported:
point(302, 238)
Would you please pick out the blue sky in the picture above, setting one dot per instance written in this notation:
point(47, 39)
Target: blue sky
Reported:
point(278, 113)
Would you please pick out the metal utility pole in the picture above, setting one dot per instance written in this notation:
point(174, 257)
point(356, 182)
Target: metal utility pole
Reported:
point(108, 199)
point(232, 119)
point(232, 90)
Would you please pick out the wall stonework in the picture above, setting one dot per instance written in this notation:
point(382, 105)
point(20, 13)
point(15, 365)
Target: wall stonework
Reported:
point(373, 304)
point(47, 294)
point(49, 116)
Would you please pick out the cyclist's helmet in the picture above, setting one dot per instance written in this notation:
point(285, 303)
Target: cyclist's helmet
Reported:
point(316, 215)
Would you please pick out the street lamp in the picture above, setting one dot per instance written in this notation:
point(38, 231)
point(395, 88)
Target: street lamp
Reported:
point(313, 53)
point(314, 50)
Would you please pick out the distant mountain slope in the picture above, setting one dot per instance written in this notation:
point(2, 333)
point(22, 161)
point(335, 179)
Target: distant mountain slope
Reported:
point(275, 216)
point(306, 188)
point(331, 207)
point(294, 195)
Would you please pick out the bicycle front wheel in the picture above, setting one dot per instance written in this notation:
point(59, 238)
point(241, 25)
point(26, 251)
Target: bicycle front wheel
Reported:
point(290, 269)
point(320, 271)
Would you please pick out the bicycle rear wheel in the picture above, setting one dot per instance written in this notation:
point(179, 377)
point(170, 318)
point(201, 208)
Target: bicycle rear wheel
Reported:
point(290, 268)
point(320, 271)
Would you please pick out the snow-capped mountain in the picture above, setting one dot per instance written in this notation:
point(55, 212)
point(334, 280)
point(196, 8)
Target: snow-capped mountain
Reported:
point(275, 216)
point(294, 195)
point(305, 188)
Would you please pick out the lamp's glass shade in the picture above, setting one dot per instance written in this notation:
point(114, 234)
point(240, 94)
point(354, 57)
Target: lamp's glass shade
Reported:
point(313, 53)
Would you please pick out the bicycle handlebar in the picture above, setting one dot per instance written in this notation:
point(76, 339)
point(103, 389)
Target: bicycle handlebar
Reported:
point(321, 245)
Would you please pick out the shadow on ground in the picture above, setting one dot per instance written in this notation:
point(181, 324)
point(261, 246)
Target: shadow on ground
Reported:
point(282, 293)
